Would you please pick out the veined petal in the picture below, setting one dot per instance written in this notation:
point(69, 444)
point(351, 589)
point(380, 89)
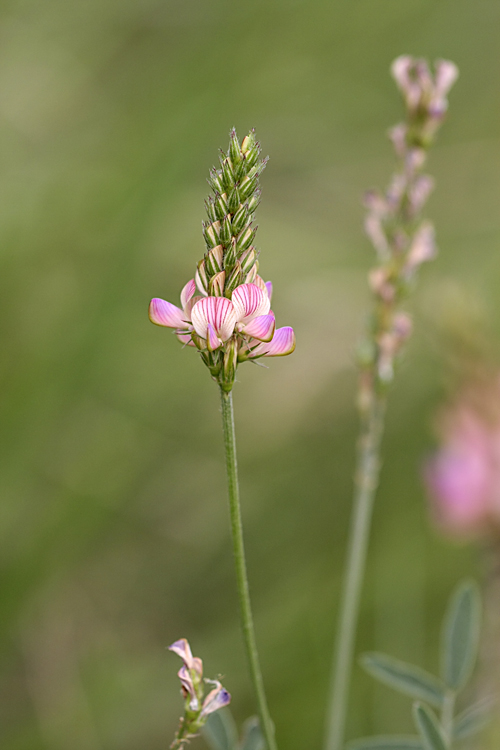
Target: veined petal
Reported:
point(163, 313)
point(259, 281)
point(216, 698)
point(219, 312)
point(269, 287)
point(213, 341)
point(182, 649)
point(249, 302)
point(187, 292)
point(283, 343)
point(261, 328)
point(186, 681)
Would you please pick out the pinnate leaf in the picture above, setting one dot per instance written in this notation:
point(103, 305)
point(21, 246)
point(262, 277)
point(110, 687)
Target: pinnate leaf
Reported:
point(219, 731)
point(473, 719)
point(460, 637)
point(405, 678)
point(428, 728)
point(252, 736)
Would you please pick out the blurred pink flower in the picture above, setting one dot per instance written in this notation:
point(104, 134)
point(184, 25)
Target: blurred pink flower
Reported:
point(463, 477)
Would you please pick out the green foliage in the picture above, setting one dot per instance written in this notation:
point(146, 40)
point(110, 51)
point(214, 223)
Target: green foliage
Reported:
point(429, 728)
point(220, 733)
point(406, 678)
point(473, 719)
point(386, 743)
point(460, 638)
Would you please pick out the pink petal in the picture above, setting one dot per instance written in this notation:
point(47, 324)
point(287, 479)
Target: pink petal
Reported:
point(213, 341)
point(163, 313)
point(185, 338)
point(187, 292)
point(261, 328)
point(249, 302)
point(219, 312)
point(217, 698)
point(283, 342)
point(269, 287)
point(182, 649)
point(186, 680)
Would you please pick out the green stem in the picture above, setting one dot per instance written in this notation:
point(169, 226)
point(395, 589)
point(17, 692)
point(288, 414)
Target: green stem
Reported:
point(365, 486)
point(447, 716)
point(241, 571)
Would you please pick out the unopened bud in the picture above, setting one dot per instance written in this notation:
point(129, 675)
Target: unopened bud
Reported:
point(233, 201)
point(211, 210)
point(213, 260)
point(211, 233)
point(251, 157)
point(254, 202)
point(231, 255)
point(215, 181)
point(251, 275)
point(216, 285)
point(240, 219)
point(230, 364)
point(234, 279)
point(248, 259)
point(221, 207)
point(245, 238)
point(422, 249)
point(234, 147)
point(201, 278)
point(198, 341)
point(226, 231)
point(227, 174)
point(247, 186)
point(248, 142)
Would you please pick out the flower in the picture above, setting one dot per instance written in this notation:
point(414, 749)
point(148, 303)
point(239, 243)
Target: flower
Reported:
point(463, 476)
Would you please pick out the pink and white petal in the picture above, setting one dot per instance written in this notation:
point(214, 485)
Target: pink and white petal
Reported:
point(216, 698)
point(189, 306)
point(163, 313)
point(182, 649)
point(219, 312)
point(249, 302)
point(213, 341)
point(186, 681)
point(185, 338)
point(283, 343)
point(261, 328)
point(259, 281)
point(187, 292)
point(269, 287)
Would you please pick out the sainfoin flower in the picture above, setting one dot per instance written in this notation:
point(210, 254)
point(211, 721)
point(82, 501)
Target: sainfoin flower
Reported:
point(198, 706)
point(463, 477)
point(214, 320)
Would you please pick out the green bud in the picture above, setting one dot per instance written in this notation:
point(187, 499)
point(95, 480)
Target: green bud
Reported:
point(251, 157)
point(216, 285)
point(245, 239)
point(240, 219)
point(211, 233)
point(215, 181)
point(234, 279)
point(210, 208)
point(247, 186)
point(228, 174)
point(248, 259)
point(201, 277)
point(226, 231)
point(221, 207)
point(234, 147)
point(213, 260)
point(248, 142)
point(198, 341)
point(254, 202)
point(233, 200)
point(231, 255)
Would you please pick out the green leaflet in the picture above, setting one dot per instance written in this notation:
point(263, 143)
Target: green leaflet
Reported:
point(386, 743)
point(252, 736)
point(461, 635)
point(428, 728)
point(473, 719)
point(220, 731)
point(406, 678)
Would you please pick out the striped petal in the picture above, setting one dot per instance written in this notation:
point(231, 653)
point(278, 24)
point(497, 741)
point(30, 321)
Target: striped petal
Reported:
point(182, 649)
point(269, 287)
point(261, 328)
point(216, 311)
point(249, 302)
point(217, 698)
point(163, 313)
point(283, 343)
point(187, 292)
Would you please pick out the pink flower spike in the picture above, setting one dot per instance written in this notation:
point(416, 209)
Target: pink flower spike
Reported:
point(261, 328)
point(182, 649)
point(187, 292)
point(249, 302)
point(216, 698)
point(163, 313)
point(213, 341)
point(216, 311)
point(282, 343)
point(269, 287)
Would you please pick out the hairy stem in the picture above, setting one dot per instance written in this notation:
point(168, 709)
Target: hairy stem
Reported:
point(241, 571)
point(365, 486)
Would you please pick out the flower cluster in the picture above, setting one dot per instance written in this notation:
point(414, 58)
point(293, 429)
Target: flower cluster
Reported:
point(402, 240)
point(463, 477)
point(226, 308)
point(197, 706)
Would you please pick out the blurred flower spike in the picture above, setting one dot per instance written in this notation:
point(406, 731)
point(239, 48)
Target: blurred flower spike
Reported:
point(197, 706)
point(402, 239)
point(463, 477)
point(226, 308)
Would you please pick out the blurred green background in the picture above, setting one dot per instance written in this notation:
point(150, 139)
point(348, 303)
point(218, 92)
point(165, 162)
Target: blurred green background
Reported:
point(113, 521)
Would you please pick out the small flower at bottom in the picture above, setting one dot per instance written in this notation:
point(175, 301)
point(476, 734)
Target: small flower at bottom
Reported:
point(197, 706)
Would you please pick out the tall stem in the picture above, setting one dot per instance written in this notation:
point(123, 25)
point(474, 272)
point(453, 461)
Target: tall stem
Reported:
point(365, 486)
point(241, 570)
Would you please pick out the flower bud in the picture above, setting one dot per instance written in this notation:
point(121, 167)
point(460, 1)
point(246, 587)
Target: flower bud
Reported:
point(215, 181)
point(230, 364)
point(251, 156)
point(234, 279)
point(231, 255)
point(248, 142)
point(251, 275)
point(247, 259)
point(226, 231)
point(240, 219)
point(211, 233)
point(216, 285)
point(247, 186)
point(221, 207)
point(211, 210)
point(245, 238)
point(234, 147)
point(228, 174)
point(201, 277)
point(213, 260)
point(254, 202)
point(233, 200)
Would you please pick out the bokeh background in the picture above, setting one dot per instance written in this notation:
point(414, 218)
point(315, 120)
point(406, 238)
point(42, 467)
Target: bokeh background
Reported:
point(113, 521)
